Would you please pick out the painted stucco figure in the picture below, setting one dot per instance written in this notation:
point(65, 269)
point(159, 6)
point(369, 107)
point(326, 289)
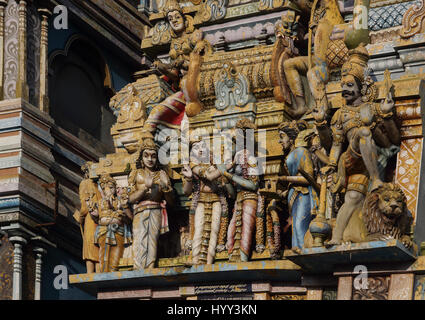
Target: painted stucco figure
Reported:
point(244, 173)
point(297, 172)
point(150, 192)
point(362, 124)
point(113, 232)
point(324, 15)
point(186, 49)
point(208, 215)
point(88, 222)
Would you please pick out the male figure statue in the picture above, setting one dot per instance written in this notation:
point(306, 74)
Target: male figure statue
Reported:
point(359, 123)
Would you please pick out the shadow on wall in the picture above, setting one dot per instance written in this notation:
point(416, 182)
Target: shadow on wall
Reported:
point(79, 91)
point(54, 258)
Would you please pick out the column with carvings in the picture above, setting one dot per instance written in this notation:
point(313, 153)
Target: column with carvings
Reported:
point(39, 253)
point(3, 4)
point(18, 243)
point(21, 85)
point(44, 99)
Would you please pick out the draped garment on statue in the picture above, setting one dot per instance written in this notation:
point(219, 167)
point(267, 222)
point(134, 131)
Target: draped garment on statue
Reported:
point(302, 200)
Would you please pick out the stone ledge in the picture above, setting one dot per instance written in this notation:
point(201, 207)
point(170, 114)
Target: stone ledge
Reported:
point(276, 270)
point(323, 260)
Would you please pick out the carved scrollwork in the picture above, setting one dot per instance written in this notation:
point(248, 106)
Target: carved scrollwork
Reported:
point(413, 21)
point(377, 289)
point(231, 88)
point(161, 33)
point(212, 10)
point(270, 4)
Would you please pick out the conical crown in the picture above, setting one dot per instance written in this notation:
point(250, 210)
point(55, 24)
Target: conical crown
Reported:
point(356, 63)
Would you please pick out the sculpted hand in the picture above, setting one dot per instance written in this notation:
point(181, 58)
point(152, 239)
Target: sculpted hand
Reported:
point(388, 104)
point(186, 171)
point(163, 181)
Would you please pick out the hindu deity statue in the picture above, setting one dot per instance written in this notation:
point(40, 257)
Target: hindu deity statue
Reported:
point(324, 15)
point(150, 191)
point(114, 216)
point(361, 124)
point(244, 173)
point(88, 222)
point(297, 175)
point(187, 47)
point(208, 215)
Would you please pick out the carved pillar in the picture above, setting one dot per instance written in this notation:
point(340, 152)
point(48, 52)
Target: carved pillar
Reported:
point(44, 99)
point(39, 252)
point(21, 85)
point(3, 4)
point(18, 242)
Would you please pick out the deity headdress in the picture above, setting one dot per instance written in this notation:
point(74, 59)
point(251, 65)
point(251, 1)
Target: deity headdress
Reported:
point(172, 5)
point(356, 63)
point(293, 128)
point(147, 142)
point(105, 179)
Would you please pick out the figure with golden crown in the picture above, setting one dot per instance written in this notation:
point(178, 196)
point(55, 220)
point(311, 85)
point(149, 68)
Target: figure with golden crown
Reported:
point(187, 47)
point(149, 192)
point(362, 125)
point(114, 216)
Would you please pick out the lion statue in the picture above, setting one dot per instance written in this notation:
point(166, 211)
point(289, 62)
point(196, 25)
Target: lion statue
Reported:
point(384, 216)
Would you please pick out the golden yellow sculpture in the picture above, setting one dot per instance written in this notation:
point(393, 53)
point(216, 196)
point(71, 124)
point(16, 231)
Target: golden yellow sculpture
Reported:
point(89, 194)
point(324, 15)
point(113, 232)
point(186, 51)
point(384, 216)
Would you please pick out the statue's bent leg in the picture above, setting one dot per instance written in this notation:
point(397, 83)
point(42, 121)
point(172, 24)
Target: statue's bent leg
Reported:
point(249, 209)
point(116, 253)
point(353, 199)
point(90, 265)
point(293, 68)
point(215, 227)
point(231, 233)
point(103, 263)
point(367, 149)
point(197, 237)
